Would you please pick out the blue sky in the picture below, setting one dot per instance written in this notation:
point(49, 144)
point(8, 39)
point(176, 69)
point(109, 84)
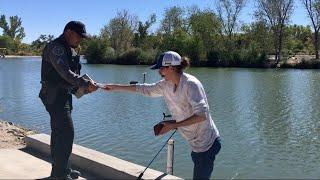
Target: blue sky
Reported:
point(49, 17)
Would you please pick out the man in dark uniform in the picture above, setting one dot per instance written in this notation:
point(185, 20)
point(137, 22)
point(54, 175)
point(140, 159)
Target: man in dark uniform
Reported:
point(60, 77)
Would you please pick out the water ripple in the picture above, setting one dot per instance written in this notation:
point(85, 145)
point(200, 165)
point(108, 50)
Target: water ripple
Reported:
point(268, 119)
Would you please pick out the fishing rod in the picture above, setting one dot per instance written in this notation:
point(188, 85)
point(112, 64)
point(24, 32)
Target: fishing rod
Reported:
point(141, 174)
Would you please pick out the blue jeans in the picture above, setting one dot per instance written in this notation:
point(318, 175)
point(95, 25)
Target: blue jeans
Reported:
point(203, 161)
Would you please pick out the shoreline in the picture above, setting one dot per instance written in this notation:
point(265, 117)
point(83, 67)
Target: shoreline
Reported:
point(12, 136)
point(17, 56)
point(293, 62)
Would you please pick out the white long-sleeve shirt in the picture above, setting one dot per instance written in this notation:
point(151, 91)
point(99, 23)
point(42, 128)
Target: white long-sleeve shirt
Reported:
point(188, 99)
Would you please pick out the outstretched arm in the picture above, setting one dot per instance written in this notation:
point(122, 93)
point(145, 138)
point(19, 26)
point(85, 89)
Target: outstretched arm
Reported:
point(151, 90)
point(120, 87)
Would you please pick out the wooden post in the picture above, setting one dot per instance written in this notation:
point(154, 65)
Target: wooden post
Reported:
point(2, 52)
point(144, 78)
point(170, 157)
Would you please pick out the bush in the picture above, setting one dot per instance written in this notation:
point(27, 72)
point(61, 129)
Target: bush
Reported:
point(98, 52)
point(213, 58)
point(109, 56)
point(6, 42)
point(195, 50)
point(130, 57)
point(147, 57)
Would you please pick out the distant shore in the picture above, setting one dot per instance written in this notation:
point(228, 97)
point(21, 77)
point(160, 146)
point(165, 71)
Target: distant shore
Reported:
point(16, 56)
point(11, 136)
point(297, 61)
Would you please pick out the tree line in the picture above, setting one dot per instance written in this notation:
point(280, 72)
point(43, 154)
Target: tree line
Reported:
point(209, 37)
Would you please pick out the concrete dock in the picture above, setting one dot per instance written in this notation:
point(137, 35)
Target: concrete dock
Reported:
point(33, 162)
point(17, 164)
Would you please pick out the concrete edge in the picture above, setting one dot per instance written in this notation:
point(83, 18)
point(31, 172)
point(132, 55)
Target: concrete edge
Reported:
point(97, 163)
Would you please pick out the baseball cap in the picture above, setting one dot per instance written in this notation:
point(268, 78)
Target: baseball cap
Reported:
point(169, 58)
point(77, 27)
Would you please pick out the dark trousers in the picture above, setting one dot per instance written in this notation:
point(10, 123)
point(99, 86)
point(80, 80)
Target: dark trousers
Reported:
point(62, 135)
point(204, 161)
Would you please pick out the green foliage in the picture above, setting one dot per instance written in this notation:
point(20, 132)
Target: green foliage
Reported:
point(147, 57)
point(173, 20)
point(195, 50)
point(175, 42)
point(151, 42)
point(13, 33)
point(142, 34)
point(24, 49)
point(201, 35)
point(228, 12)
point(242, 56)
point(204, 27)
point(258, 34)
point(99, 52)
point(252, 58)
point(298, 40)
point(6, 42)
point(120, 31)
point(38, 45)
point(213, 58)
point(136, 56)
point(130, 57)
point(15, 30)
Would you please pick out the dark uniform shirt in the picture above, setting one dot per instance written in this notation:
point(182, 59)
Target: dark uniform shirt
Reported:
point(60, 71)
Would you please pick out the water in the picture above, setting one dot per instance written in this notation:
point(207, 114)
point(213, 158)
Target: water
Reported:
point(268, 119)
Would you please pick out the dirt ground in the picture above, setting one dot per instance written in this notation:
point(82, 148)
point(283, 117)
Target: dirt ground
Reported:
point(11, 136)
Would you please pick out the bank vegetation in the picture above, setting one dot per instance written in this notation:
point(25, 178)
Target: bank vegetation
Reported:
point(209, 37)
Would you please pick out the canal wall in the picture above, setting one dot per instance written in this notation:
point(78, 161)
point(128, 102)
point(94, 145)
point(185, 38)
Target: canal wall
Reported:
point(100, 164)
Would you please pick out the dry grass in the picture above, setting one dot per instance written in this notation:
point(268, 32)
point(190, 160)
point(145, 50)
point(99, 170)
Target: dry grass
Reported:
point(11, 136)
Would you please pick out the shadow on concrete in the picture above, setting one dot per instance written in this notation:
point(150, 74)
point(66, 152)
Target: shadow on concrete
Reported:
point(161, 176)
point(84, 174)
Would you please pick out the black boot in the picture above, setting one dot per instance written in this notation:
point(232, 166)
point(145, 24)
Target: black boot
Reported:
point(67, 177)
point(74, 174)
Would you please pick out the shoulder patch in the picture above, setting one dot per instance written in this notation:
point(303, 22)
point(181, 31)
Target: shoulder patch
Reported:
point(58, 51)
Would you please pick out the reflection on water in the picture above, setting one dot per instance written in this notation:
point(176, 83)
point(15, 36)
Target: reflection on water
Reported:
point(268, 119)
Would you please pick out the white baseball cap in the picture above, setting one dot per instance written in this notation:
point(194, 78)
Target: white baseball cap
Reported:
point(169, 58)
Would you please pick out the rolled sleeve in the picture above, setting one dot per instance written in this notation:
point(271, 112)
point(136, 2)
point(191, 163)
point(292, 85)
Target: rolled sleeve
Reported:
point(196, 97)
point(152, 90)
point(57, 56)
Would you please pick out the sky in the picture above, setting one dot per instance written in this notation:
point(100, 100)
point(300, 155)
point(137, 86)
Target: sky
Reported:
point(49, 17)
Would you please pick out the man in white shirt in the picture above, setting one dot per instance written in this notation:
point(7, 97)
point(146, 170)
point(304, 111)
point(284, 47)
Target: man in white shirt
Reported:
point(188, 105)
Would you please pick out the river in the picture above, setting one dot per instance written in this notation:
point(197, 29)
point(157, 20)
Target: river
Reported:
point(268, 119)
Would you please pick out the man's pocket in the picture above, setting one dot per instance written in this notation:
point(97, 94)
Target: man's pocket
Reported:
point(48, 94)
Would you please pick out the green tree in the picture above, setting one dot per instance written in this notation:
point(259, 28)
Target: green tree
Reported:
point(41, 42)
point(258, 33)
point(173, 20)
point(228, 12)
point(173, 31)
point(277, 13)
point(142, 32)
point(120, 31)
point(98, 52)
point(14, 30)
point(204, 27)
point(298, 40)
point(6, 42)
point(313, 9)
point(175, 42)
